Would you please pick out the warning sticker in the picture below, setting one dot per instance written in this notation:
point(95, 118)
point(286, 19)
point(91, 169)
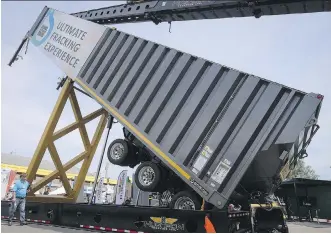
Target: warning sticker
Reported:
point(202, 159)
point(220, 172)
point(199, 164)
point(207, 151)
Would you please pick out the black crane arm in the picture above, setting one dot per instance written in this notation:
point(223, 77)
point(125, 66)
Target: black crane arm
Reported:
point(168, 11)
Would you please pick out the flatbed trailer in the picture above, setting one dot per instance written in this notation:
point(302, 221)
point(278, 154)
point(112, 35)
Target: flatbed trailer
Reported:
point(132, 219)
point(280, 107)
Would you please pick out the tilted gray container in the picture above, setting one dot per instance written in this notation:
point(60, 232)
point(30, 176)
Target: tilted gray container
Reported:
point(212, 125)
point(209, 123)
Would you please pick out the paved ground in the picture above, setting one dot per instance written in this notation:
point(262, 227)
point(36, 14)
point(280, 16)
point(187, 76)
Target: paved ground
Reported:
point(35, 228)
point(306, 227)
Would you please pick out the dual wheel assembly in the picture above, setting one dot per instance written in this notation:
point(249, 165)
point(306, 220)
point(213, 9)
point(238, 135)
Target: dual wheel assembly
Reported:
point(122, 153)
point(149, 176)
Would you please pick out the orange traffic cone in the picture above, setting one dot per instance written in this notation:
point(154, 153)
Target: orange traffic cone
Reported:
point(209, 226)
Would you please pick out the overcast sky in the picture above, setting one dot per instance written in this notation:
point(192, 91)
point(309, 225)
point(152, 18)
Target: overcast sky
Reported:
point(293, 50)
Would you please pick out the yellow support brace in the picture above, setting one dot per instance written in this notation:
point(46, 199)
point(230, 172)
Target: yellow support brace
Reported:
point(47, 142)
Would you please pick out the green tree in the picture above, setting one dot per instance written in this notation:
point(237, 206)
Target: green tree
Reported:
point(303, 171)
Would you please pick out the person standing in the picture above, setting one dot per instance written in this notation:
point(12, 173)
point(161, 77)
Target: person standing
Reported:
point(20, 190)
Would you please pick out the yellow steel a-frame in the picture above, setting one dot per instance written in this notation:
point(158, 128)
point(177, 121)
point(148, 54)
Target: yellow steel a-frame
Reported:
point(47, 142)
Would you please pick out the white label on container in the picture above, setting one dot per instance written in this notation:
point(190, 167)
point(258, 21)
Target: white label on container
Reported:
point(207, 151)
point(202, 159)
point(227, 162)
point(220, 172)
point(195, 171)
point(199, 164)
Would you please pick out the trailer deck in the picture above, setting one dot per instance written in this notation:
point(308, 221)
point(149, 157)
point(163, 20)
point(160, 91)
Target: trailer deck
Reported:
point(114, 218)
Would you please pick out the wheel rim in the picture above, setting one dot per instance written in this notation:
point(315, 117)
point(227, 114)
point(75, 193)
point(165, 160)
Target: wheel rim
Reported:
point(146, 176)
point(165, 198)
point(116, 151)
point(184, 203)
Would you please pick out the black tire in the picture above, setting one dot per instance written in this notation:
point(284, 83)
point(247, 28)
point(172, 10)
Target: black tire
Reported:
point(185, 195)
point(164, 185)
point(122, 157)
point(141, 170)
point(133, 159)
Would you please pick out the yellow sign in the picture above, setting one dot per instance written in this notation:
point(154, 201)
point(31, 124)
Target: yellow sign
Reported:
point(164, 220)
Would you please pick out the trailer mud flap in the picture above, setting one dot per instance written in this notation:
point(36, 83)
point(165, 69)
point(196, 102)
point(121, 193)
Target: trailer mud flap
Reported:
point(139, 219)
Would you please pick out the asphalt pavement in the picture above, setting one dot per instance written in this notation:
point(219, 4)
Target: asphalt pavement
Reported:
point(307, 227)
point(36, 228)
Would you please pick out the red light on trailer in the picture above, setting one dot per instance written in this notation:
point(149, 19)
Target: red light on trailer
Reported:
point(320, 97)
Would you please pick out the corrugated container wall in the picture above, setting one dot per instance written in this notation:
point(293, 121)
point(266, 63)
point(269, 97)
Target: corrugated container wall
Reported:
point(205, 121)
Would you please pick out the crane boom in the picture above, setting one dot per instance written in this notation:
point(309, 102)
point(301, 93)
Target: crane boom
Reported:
point(168, 11)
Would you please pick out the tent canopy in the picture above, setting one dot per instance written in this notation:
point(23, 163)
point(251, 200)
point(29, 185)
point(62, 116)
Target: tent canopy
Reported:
point(58, 191)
